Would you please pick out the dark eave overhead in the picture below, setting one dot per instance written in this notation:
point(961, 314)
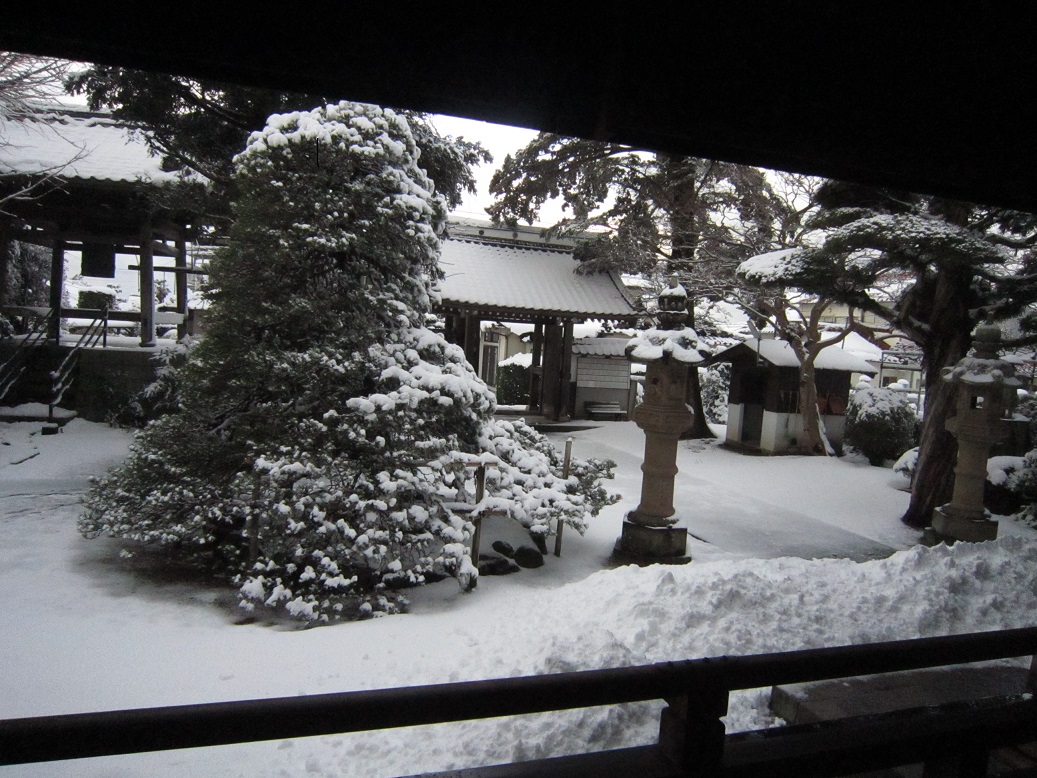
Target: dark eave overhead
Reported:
point(932, 97)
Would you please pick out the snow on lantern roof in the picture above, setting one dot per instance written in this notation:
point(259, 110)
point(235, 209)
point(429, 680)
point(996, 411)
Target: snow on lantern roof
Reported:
point(975, 371)
point(651, 345)
point(79, 144)
point(780, 354)
point(494, 277)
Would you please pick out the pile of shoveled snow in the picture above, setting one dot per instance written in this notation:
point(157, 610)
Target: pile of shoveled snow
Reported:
point(633, 616)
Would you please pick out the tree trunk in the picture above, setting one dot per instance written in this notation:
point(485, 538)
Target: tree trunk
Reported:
point(937, 455)
point(699, 428)
point(814, 439)
point(949, 338)
point(693, 395)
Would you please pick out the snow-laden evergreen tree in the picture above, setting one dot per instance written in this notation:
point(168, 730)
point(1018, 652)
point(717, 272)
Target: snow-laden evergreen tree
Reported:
point(324, 432)
point(933, 269)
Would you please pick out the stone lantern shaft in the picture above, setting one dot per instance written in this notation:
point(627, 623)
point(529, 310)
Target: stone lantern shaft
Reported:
point(981, 382)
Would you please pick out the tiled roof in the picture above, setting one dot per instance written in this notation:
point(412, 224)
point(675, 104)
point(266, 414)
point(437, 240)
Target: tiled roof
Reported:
point(601, 347)
point(77, 144)
point(498, 278)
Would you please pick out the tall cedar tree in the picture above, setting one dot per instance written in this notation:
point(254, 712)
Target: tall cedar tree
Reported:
point(659, 214)
point(323, 431)
point(200, 125)
point(957, 263)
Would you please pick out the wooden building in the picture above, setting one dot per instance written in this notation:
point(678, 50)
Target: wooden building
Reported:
point(763, 410)
point(514, 275)
point(78, 181)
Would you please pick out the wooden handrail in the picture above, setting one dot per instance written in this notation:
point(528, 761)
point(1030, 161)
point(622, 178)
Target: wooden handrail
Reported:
point(698, 686)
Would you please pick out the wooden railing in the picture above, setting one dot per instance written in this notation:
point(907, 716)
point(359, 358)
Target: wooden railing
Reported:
point(692, 736)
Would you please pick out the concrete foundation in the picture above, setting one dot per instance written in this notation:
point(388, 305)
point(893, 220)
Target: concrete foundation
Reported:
point(641, 544)
point(948, 527)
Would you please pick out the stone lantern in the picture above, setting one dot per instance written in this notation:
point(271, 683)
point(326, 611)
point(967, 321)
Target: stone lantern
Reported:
point(649, 531)
point(981, 383)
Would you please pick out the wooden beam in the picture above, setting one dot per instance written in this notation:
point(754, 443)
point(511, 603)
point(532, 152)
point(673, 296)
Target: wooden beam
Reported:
point(178, 269)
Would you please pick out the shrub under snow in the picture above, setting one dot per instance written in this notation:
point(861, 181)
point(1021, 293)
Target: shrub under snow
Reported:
point(880, 423)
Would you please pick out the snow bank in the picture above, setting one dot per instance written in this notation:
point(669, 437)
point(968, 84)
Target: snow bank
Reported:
point(85, 634)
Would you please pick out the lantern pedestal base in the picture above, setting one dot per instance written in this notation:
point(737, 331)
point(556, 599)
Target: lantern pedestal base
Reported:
point(948, 528)
point(641, 545)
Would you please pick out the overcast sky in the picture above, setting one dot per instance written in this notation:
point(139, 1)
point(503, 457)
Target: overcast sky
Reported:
point(500, 140)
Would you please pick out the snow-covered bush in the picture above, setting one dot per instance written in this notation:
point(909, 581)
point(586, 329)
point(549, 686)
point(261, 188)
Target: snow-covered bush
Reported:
point(715, 382)
point(880, 424)
point(323, 432)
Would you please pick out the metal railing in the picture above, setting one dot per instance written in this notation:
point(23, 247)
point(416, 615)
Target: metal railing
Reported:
point(692, 735)
point(61, 378)
point(15, 366)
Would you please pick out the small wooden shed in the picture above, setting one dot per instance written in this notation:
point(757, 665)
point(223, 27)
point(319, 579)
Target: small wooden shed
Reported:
point(763, 410)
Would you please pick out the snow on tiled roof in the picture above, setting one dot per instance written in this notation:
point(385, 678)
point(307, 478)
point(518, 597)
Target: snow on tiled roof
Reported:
point(780, 353)
point(601, 347)
point(496, 276)
point(77, 144)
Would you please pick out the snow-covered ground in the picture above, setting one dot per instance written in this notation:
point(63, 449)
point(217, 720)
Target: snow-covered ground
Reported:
point(85, 629)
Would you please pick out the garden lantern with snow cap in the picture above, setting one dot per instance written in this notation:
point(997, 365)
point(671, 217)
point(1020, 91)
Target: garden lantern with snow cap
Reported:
point(982, 381)
point(649, 531)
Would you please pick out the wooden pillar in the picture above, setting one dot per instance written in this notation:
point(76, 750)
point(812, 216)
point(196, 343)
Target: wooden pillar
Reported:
point(472, 337)
point(181, 284)
point(5, 258)
point(536, 383)
point(549, 406)
point(57, 283)
point(565, 374)
point(147, 288)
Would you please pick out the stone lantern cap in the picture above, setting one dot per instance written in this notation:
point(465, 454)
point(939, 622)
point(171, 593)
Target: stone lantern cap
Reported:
point(985, 368)
point(982, 372)
point(653, 345)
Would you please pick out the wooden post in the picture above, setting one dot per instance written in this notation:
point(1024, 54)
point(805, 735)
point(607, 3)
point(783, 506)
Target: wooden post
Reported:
point(147, 288)
point(565, 474)
point(57, 283)
point(565, 373)
point(549, 405)
point(5, 258)
point(480, 493)
point(181, 284)
point(536, 384)
point(472, 340)
point(691, 734)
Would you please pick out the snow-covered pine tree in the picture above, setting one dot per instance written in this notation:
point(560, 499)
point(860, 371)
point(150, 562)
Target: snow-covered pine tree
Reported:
point(324, 432)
